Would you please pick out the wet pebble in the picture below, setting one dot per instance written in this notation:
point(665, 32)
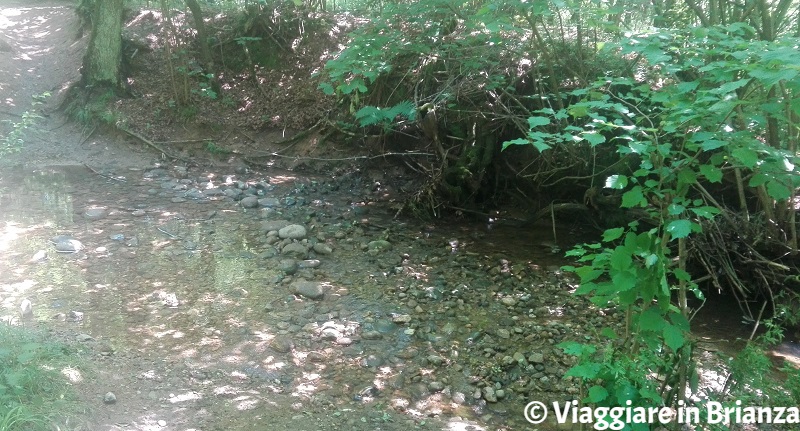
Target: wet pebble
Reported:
point(316, 357)
point(95, 213)
point(39, 256)
point(296, 250)
point(109, 398)
point(372, 361)
point(307, 289)
point(344, 341)
point(274, 225)
point(435, 360)
point(401, 319)
point(309, 263)
point(435, 386)
point(26, 309)
point(489, 394)
point(407, 353)
point(379, 245)
point(329, 334)
point(292, 231)
point(249, 202)
point(322, 248)
point(371, 335)
point(536, 358)
point(282, 344)
point(288, 266)
point(68, 245)
point(269, 202)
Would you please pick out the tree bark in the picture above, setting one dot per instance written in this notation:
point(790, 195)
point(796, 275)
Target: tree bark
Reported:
point(101, 65)
point(202, 35)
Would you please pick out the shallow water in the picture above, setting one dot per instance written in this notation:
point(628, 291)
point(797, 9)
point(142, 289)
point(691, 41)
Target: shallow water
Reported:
point(164, 277)
point(184, 294)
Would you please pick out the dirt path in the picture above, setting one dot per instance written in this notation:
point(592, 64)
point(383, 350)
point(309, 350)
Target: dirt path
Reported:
point(40, 52)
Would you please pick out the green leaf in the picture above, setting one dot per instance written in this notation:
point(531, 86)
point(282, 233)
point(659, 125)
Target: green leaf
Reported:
point(585, 288)
point(617, 182)
point(633, 198)
point(679, 320)
point(711, 172)
point(609, 333)
point(577, 349)
point(406, 109)
point(652, 320)
point(585, 371)
point(578, 111)
point(687, 87)
point(370, 115)
point(624, 281)
point(778, 191)
point(712, 144)
point(687, 176)
point(650, 260)
point(730, 86)
point(612, 234)
point(705, 211)
point(536, 121)
point(679, 228)
point(681, 274)
point(675, 209)
point(620, 259)
point(654, 54)
point(593, 138)
point(758, 179)
point(326, 88)
point(597, 394)
point(625, 392)
point(518, 141)
point(587, 273)
point(649, 393)
point(541, 146)
point(747, 157)
point(770, 77)
point(673, 337)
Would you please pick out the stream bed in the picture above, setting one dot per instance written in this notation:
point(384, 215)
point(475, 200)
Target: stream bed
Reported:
point(240, 301)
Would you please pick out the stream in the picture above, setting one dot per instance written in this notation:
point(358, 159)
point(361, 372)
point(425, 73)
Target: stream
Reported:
point(270, 300)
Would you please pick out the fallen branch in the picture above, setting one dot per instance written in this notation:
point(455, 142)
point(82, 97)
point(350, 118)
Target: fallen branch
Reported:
point(151, 144)
point(337, 159)
point(109, 177)
point(288, 141)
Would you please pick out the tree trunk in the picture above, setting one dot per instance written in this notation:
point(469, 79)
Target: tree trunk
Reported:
point(101, 65)
point(202, 35)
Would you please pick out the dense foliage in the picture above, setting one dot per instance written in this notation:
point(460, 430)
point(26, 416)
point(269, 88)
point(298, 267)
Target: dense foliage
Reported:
point(686, 120)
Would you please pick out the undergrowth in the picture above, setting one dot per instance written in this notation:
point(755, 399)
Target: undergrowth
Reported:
point(35, 392)
point(15, 139)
